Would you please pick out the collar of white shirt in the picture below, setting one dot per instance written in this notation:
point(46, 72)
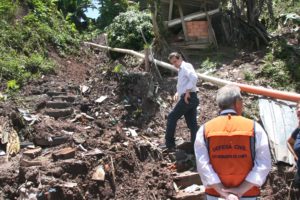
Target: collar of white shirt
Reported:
point(227, 111)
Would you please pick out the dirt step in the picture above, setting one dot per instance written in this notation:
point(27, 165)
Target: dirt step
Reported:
point(57, 113)
point(65, 98)
point(45, 142)
point(58, 104)
point(197, 195)
point(186, 179)
point(51, 93)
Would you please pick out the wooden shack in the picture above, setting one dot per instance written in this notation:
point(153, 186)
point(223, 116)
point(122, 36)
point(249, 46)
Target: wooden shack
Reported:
point(189, 23)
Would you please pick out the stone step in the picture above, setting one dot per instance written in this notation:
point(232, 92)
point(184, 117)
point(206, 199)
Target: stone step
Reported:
point(53, 93)
point(197, 195)
point(57, 113)
point(58, 104)
point(65, 98)
point(186, 179)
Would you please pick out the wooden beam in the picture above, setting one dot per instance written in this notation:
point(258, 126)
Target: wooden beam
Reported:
point(182, 20)
point(196, 15)
point(171, 9)
point(211, 32)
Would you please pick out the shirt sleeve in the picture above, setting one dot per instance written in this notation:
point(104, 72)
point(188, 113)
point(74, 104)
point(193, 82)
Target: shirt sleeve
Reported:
point(192, 76)
point(262, 161)
point(295, 133)
point(204, 168)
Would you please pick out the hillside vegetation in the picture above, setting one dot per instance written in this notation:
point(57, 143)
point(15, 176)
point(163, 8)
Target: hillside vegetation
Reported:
point(28, 31)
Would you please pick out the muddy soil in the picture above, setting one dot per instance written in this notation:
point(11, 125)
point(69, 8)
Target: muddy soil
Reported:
point(90, 132)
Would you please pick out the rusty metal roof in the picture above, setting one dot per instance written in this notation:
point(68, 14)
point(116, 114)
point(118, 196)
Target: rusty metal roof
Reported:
point(279, 120)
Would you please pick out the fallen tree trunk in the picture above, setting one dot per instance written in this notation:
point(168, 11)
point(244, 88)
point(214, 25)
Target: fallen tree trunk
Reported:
point(289, 96)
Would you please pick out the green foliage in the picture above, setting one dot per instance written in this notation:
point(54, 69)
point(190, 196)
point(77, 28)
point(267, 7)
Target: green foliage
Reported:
point(249, 76)
point(118, 69)
point(276, 73)
point(12, 85)
point(281, 68)
point(7, 9)
point(208, 64)
point(109, 10)
point(126, 30)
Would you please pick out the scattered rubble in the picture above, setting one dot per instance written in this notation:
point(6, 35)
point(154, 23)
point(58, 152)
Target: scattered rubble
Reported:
point(96, 137)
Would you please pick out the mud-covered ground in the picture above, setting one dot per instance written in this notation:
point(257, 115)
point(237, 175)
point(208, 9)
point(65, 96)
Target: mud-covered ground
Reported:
point(92, 130)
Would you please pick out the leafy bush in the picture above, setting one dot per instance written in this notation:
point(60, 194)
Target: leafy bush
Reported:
point(281, 66)
point(125, 30)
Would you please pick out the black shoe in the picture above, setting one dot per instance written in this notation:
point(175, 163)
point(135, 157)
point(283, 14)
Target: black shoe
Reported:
point(166, 149)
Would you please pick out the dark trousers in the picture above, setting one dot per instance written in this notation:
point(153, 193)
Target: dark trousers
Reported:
point(190, 114)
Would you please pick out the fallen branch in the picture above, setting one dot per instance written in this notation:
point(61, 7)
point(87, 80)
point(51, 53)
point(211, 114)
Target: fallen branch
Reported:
point(217, 81)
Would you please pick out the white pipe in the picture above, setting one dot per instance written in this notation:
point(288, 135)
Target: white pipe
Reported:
point(217, 81)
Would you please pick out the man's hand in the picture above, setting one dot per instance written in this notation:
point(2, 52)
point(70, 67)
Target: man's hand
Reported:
point(221, 190)
point(232, 197)
point(187, 96)
point(175, 97)
point(241, 190)
point(235, 191)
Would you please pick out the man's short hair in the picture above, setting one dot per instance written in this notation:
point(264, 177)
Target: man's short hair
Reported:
point(227, 96)
point(174, 54)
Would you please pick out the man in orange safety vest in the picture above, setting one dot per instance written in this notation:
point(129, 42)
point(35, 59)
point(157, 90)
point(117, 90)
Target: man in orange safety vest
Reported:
point(232, 152)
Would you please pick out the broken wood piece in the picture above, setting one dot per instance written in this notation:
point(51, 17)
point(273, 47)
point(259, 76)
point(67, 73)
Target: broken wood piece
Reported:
point(94, 152)
point(65, 153)
point(101, 99)
point(27, 163)
point(197, 195)
point(187, 178)
point(32, 153)
point(68, 185)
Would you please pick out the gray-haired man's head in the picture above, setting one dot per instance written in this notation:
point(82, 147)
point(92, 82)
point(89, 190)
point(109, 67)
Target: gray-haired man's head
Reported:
point(228, 96)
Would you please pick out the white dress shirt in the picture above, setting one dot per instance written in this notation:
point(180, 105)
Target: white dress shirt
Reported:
point(187, 78)
point(262, 162)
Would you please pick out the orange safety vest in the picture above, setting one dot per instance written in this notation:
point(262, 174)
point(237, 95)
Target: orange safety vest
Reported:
point(230, 141)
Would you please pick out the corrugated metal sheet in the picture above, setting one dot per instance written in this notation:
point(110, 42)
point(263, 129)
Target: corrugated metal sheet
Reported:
point(279, 119)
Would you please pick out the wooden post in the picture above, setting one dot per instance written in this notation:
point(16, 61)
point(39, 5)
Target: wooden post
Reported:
point(147, 64)
point(171, 9)
point(182, 20)
point(211, 32)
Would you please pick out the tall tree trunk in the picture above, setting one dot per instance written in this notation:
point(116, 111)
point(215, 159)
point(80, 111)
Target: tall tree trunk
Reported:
point(161, 46)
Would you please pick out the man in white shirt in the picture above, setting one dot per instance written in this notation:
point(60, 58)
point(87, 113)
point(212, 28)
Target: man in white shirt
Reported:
point(187, 100)
point(232, 152)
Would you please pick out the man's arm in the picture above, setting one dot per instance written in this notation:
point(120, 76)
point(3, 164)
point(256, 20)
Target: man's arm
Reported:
point(191, 75)
point(262, 164)
point(204, 168)
point(193, 78)
point(290, 144)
